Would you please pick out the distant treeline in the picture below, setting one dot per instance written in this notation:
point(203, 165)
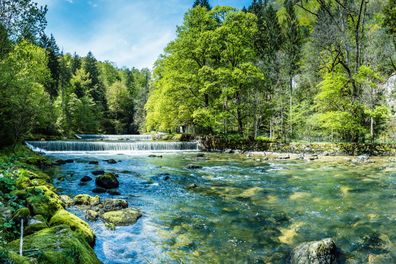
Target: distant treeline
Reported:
point(44, 91)
point(285, 70)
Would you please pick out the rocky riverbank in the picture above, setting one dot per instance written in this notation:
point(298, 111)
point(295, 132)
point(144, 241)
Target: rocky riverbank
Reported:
point(30, 203)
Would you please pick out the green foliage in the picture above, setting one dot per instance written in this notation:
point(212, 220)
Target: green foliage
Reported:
point(24, 101)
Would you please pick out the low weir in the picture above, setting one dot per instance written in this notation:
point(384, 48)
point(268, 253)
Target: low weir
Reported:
point(114, 137)
point(71, 146)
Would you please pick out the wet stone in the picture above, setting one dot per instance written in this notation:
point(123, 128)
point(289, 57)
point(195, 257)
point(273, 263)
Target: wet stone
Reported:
point(99, 190)
point(86, 179)
point(98, 172)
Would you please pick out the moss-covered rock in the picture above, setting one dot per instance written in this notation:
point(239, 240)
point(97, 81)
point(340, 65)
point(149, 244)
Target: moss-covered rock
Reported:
point(76, 224)
point(56, 245)
point(107, 181)
point(114, 204)
point(123, 217)
point(43, 201)
point(85, 199)
point(67, 201)
point(35, 224)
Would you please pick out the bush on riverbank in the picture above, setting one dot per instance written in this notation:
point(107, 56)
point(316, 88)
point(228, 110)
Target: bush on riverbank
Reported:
point(236, 142)
point(26, 193)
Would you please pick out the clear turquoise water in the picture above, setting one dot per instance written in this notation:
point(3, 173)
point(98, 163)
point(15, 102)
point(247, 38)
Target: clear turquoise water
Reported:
point(243, 211)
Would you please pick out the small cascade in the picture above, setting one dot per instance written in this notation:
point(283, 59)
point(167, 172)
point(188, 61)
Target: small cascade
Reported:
point(114, 137)
point(71, 146)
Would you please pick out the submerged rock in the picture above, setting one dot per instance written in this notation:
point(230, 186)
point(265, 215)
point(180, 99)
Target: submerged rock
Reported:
point(99, 190)
point(98, 172)
point(192, 186)
point(86, 179)
point(193, 167)
point(122, 217)
point(107, 181)
point(361, 159)
point(93, 162)
point(316, 252)
point(113, 192)
point(284, 157)
point(111, 161)
point(154, 156)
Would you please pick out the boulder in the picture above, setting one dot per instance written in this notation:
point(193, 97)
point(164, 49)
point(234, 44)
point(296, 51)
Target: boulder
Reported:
point(361, 159)
point(192, 186)
point(154, 156)
point(284, 157)
point(316, 252)
point(63, 217)
point(35, 224)
point(43, 201)
point(93, 162)
point(58, 244)
point(86, 179)
point(107, 181)
point(122, 217)
point(111, 161)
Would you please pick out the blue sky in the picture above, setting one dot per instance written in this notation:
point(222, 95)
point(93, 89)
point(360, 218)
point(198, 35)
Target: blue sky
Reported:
point(131, 33)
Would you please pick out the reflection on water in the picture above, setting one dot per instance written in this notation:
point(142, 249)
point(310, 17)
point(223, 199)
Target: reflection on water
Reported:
point(241, 211)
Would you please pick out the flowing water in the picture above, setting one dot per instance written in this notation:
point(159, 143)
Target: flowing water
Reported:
point(242, 210)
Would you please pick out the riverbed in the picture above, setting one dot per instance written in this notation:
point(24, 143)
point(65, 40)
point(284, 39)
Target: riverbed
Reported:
point(235, 209)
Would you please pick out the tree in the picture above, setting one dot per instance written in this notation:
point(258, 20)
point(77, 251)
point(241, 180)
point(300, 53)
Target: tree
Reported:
point(23, 19)
point(49, 44)
point(97, 89)
point(202, 3)
point(25, 104)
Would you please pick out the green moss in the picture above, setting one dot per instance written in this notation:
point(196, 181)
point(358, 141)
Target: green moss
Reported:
point(56, 245)
point(76, 224)
point(21, 213)
point(43, 201)
point(122, 217)
point(35, 224)
point(85, 199)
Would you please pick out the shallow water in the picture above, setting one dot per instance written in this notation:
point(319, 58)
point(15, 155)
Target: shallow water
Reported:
point(243, 211)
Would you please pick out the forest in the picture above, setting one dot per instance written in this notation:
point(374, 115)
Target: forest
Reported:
point(275, 70)
point(46, 93)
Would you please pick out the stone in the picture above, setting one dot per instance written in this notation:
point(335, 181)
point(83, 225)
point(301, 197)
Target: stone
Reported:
point(122, 217)
point(114, 204)
point(113, 192)
point(35, 224)
point(55, 246)
point(99, 190)
point(67, 200)
point(229, 151)
point(154, 156)
point(86, 179)
point(316, 252)
point(85, 199)
point(63, 217)
point(284, 157)
point(193, 167)
point(98, 172)
point(192, 186)
point(93, 162)
point(91, 215)
point(111, 161)
point(107, 181)
point(361, 159)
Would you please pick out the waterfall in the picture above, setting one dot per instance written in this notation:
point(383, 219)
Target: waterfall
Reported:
point(114, 137)
point(55, 146)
